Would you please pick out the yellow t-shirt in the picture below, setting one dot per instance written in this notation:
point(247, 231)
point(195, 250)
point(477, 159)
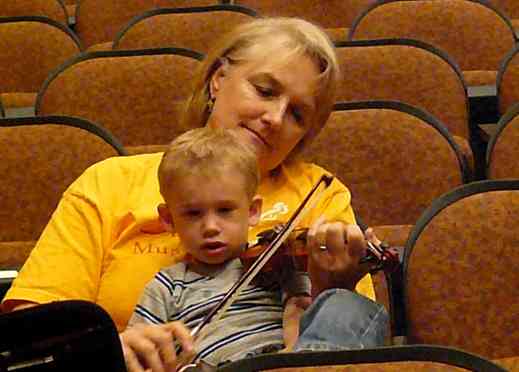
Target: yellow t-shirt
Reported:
point(104, 242)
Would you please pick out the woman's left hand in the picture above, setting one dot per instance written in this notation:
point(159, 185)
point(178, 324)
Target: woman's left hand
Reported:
point(335, 250)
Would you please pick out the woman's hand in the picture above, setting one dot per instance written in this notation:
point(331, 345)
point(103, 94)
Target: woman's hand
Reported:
point(335, 250)
point(151, 348)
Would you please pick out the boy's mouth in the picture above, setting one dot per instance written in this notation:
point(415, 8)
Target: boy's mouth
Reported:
point(211, 246)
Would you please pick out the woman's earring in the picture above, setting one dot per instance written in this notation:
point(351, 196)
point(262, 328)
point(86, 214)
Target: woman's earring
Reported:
point(210, 104)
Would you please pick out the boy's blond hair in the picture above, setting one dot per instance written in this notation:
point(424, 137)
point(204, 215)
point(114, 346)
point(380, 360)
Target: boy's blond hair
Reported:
point(206, 152)
point(276, 41)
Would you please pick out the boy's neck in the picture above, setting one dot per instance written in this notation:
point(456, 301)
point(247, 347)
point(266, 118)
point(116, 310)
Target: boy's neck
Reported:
point(205, 269)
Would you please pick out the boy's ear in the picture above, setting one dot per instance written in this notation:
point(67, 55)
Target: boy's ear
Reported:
point(165, 217)
point(255, 210)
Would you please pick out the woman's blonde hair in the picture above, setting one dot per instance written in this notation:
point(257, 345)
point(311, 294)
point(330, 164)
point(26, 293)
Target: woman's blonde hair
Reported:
point(263, 38)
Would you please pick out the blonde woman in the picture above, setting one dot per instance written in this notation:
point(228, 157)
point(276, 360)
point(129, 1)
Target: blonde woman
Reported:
point(273, 81)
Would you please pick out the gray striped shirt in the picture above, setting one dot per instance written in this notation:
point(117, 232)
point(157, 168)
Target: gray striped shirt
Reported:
point(253, 324)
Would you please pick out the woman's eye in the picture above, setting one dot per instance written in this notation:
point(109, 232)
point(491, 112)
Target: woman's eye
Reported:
point(264, 91)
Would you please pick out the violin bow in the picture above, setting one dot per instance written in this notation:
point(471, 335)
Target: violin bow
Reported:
point(219, 309)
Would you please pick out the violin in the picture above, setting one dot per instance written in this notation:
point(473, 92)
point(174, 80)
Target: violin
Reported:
point(293, 252)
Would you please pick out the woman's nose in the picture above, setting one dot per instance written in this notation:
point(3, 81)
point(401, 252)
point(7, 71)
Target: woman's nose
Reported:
point(276, 111)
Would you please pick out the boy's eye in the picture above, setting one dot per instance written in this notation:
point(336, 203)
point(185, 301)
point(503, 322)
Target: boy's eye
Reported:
point(225, 210)
point(192, 212)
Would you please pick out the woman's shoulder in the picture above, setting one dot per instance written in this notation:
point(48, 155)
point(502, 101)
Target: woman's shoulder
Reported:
point(295, 180)
point(306, 175)
point(303, 170)
point(118, 174)
point(126, 165)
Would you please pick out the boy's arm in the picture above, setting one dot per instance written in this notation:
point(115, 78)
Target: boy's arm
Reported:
point(294, 308)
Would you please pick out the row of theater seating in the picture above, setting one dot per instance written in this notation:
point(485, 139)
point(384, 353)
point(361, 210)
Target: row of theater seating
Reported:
point(486, 37)
point(475, 36)
point(138, 89)
point(407, 180)
point(98, 22)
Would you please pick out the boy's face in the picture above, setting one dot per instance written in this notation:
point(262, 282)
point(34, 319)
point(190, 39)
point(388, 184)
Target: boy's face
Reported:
point(211, 215)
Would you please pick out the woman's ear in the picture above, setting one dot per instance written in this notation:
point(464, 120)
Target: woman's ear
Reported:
point(165, 217)
point(218, 75)
point(255, 210)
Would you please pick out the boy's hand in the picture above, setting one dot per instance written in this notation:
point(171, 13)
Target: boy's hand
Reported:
point(335, 250)
point(294, 309)
point(151, 348)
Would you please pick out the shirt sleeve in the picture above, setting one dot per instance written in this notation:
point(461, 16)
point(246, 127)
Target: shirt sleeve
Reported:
point(152, 307)
point(295, 283)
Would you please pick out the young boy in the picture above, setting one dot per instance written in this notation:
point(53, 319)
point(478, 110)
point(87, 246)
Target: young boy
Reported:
point(208, 180)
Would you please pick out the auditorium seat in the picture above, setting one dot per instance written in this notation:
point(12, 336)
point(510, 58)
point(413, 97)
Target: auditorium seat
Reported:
point(402, 358)
point(395, 159)
point(335, 16)
point(474, 33)
point(503, 147)
point(32, 47)
point(508, 81)
point(53, 9)
point(99, 21)
point(461, 271)
point(510, 8)
point(41, 156)
point(194, 28)
point(133, 94)
point(408, 71)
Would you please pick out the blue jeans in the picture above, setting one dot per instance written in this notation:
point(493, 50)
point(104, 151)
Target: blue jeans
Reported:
point(339, 319)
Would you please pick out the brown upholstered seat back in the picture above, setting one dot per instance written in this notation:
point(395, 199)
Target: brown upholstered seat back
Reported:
point(509, 7)
point(53, 9)
point(134, 94)
point(508, 81)
point(391, 157)
point(31, 48)
point(399, 358)
point(192, 28)
point(40, 158)
point(408, 71)
point(475, 34)
point(503, 147)
point(99, 21)
point(462, 271)
point(335, 16)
